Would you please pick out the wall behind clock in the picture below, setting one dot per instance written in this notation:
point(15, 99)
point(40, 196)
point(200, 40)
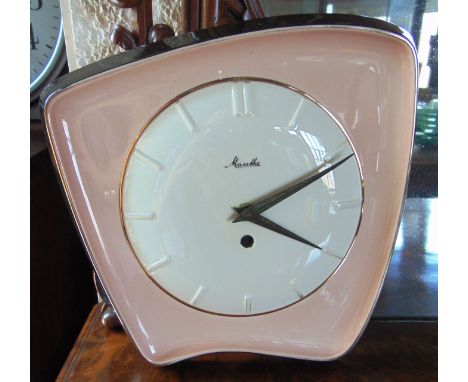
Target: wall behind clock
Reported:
point(87, 24)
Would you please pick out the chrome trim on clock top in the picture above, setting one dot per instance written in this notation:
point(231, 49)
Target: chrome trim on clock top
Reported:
point(345, 21)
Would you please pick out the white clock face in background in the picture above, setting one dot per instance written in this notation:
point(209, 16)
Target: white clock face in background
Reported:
point(46, 39)
point(232, 144)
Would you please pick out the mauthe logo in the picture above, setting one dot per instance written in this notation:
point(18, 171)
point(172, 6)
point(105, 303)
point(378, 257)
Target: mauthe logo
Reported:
point(237, 164)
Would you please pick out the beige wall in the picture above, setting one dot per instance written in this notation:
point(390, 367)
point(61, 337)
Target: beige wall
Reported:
point(87, 24)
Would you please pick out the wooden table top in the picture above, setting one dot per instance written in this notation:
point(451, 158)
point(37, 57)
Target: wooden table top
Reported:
point(387, 351)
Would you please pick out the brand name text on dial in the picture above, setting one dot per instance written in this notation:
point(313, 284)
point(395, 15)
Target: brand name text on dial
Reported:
point(236, 163)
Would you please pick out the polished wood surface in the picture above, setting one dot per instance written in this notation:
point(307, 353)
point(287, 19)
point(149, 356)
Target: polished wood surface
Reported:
point(411, 284)
point(159, 32)
point(387, 351)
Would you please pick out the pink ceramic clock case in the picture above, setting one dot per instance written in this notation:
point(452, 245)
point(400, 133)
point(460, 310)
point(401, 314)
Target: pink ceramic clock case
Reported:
point(362, 71)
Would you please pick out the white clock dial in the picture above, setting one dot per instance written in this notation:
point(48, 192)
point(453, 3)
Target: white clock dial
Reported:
point(231, 144)
point(46, 40)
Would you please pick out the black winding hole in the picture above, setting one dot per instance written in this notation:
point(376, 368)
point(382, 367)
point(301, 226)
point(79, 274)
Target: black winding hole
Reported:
point(247, 241)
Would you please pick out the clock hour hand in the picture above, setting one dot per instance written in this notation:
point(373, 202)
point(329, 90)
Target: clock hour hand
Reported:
point(268, 224)
point(264, 204)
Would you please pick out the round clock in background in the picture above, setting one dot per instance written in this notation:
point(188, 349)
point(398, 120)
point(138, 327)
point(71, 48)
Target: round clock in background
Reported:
point(47, 47)
point(47, 59)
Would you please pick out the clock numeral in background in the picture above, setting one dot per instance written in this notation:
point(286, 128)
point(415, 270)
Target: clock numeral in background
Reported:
point(34, 40)
point(35, 5)
point(241, 100)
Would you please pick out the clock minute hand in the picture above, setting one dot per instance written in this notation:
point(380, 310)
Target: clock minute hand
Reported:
point(262, 205)
point(268, 224)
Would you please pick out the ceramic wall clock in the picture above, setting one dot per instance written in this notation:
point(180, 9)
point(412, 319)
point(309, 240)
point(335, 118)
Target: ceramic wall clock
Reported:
point(240, 188)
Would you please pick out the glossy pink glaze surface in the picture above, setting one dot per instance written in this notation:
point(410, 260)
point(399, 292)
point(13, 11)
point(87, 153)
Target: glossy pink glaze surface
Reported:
point(365, 79)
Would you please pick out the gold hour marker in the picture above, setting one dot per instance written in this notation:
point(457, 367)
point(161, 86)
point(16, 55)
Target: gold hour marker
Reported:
point(140, 215)
point(295, 288)
point(248, 303)
point(145, 158)
point(201, 289)
point(186, 117)
point(158, 264)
